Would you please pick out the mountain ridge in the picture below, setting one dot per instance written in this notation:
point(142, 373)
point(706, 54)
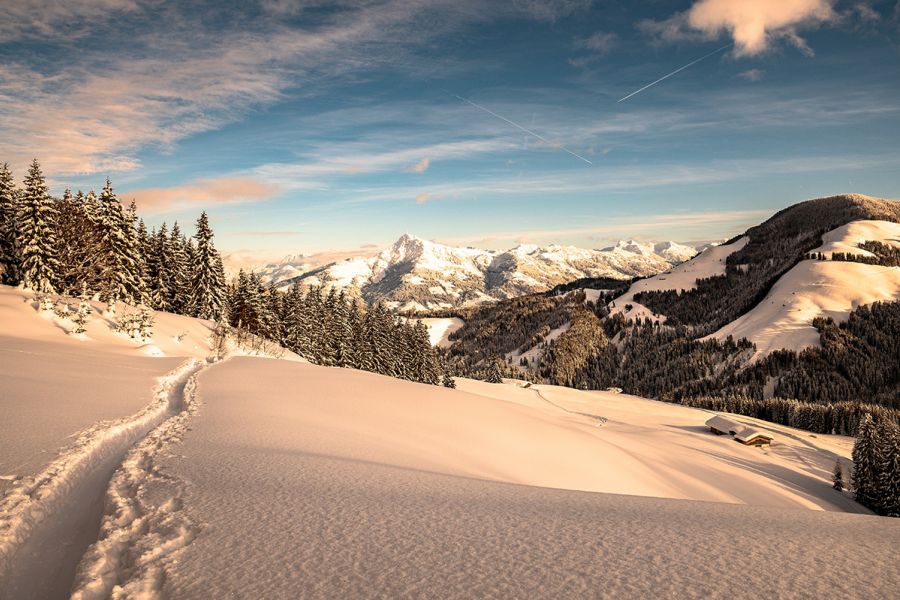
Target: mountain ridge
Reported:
point(415, 274)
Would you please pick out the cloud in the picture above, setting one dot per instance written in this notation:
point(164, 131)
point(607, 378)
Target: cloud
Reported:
point(40, 18)
point(752, 74)
point(163, 74)
point(752, 24)
point(422, 198)
point(647, 227)
point(209, 192)
point(599, 45)
point(421, 166)
point(552, 10)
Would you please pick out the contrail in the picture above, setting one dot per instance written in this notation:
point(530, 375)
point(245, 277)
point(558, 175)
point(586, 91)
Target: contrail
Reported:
point(525, 129)
point(678, 70)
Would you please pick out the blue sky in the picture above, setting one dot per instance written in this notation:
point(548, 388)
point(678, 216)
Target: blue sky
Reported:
point(305, 127)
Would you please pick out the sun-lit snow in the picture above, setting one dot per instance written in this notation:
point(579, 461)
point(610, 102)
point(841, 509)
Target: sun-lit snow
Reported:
point(341, 479)
point(414, 272)
point(440, 328)
point(708, 263)
point(815, 288)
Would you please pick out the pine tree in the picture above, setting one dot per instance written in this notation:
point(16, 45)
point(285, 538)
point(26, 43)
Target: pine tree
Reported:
point(9, 254)
point(837, 479)
point(179, 267)
point(447, 381)
point(77, 248)
point(36, 236)
point(889, 469)
point(494, 375)
point(121, 278)
point(84, 310)
point(206, 286)
point(866, 462)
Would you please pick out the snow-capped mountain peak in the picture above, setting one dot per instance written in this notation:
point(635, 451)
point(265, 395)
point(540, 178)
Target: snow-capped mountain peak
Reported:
point(415, 274)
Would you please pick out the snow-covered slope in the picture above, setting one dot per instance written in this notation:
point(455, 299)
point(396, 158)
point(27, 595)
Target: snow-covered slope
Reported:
point(352, 484)
point(815, 288)
point(708, 263)
point(347, 483)
point(416, 274)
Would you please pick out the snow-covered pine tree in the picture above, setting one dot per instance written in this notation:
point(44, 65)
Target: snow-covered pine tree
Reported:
point(180, 271)
point(293, 319)
point(9, 255)
point(138, 277)
point(145, 321)
point(837, 477)
point(36, 236)
point(866, 462)
point(494, 374)
point(447, 381)
point(206, 291)
point(120, 277)
point(889, 469)
point(158, 269)
point(145, 250)
point(84, 310)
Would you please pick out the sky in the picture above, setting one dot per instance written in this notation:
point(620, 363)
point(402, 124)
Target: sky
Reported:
point(305, 127)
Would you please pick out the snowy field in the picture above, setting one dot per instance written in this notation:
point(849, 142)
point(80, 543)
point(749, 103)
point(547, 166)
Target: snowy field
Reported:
point(263, 478)
point(816, 288)
point(350, 483)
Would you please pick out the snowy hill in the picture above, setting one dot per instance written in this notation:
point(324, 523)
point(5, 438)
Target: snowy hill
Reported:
point(820, 288)
point(229, 465)
point(417, 274)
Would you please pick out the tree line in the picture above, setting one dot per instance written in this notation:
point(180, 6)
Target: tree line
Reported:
point(90, 245)
point(329, 329)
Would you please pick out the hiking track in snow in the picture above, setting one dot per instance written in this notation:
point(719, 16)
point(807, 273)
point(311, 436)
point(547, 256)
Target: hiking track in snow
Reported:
point(49, 520)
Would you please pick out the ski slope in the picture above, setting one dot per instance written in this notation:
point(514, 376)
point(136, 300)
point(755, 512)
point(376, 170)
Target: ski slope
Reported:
point(815, 288)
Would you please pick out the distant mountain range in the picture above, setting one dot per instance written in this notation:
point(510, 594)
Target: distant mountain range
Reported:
point(416, 274)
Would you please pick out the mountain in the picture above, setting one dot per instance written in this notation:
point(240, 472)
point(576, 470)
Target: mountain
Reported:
point(805, 305)
point(418, 274)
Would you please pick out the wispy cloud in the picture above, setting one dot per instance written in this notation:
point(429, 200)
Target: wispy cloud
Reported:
point(752, 74)
point(649, 227)
point(597, 46)
point(421, 166)
point(94, 110)
point(211, 192)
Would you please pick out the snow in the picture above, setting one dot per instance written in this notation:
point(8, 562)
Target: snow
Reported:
point(50, 389)
point(847, 237)
point(708, 263)
point(439, 330)
point(350, 484)
point(256, 477)
point(815, 288)
point(439, 275)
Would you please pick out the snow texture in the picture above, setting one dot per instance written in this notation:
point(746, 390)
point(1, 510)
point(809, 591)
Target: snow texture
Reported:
point(339, 483)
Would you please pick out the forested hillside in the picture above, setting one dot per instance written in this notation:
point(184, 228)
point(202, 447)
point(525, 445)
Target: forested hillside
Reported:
point(856, 365)
point(773, 248)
